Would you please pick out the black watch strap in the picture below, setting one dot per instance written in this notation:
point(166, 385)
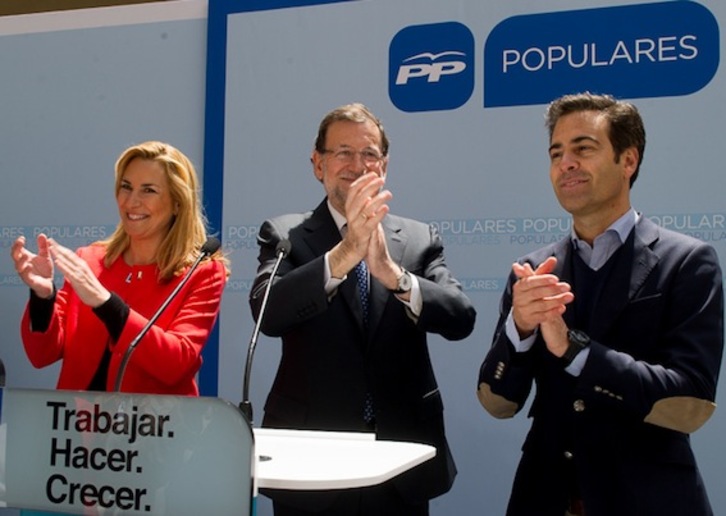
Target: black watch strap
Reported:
point(578, 340)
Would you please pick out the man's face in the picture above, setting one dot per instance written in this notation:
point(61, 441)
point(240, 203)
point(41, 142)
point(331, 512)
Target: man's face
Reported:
point(352, 149)
point(587, 180)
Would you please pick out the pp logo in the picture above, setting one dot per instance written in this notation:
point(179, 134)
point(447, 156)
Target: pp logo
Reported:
point(431, 67)
point(433, 71)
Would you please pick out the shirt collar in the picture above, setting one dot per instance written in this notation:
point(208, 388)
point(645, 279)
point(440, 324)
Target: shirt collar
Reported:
point(338, 217)
point(622, 227)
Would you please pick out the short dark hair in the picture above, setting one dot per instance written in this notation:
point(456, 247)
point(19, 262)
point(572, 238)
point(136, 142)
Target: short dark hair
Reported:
point(626, 125)
point(355, 112)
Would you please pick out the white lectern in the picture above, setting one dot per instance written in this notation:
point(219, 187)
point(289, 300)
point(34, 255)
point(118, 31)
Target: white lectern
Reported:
point(111, 453)
point(309, 460)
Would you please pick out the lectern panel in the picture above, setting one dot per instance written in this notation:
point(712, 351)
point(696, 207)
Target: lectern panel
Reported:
point(103, 453)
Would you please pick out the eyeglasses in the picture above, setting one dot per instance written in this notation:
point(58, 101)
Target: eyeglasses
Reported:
point(369, 156)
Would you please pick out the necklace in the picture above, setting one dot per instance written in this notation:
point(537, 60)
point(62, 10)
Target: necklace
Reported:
point(130, 276)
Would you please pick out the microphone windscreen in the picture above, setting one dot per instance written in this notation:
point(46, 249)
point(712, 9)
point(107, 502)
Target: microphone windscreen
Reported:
point(284, 247)
point(211, 246)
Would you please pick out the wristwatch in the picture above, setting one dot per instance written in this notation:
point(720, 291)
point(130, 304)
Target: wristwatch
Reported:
point(578, 340)
point(404, 282)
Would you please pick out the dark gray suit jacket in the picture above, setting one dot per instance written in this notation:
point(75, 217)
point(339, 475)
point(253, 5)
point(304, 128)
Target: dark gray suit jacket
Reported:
point(330, 360)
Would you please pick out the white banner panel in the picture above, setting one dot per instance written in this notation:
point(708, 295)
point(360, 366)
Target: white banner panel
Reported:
point(98, 453)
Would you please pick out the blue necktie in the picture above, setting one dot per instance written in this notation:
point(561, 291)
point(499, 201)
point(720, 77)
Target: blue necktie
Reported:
point(361, 274)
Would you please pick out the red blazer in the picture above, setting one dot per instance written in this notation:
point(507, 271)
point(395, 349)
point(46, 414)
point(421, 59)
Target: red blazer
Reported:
point(167, 358)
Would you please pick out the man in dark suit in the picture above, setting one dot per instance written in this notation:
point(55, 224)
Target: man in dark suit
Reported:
point(354, 351)
point(621, 329)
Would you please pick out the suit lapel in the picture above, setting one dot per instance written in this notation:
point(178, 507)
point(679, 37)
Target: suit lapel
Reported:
point(624, 283)
point(563, 270)
point(322, 234)
point(380, 295)
point(644, 259)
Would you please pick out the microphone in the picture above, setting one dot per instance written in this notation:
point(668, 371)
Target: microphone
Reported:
point(2, 374)
point(209, 248)
point(282, 250)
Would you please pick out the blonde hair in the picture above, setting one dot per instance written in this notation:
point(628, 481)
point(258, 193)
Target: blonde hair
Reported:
point(187, 233)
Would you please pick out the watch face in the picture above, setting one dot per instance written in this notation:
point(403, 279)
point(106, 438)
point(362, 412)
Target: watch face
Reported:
point(578, 337)
point(578, 340)
point(404, 282)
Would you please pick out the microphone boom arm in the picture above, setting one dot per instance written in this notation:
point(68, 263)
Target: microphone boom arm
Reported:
point(282, 250)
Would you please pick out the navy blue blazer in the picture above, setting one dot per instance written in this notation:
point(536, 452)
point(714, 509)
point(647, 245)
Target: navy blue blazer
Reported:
point(649, 381)
point(330, 360)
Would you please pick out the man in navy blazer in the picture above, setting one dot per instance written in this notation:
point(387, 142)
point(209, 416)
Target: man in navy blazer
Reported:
point(352, 363)
point(620, 327)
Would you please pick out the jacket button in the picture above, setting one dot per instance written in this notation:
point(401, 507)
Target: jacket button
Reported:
point(578, 405)
point(568, 455)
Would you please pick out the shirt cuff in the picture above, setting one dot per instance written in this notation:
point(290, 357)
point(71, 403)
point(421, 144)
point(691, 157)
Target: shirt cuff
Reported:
point(415, 304)
point(331, 284)
point(520, 345)
point(578, 363)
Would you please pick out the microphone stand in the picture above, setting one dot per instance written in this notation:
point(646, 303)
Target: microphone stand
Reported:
point(210, 247)
point(282, 250)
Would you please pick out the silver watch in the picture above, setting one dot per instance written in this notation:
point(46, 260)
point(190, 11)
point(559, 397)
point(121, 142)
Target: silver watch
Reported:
point(404, 282)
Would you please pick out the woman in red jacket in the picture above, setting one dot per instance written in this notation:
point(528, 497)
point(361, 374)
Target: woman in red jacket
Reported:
point(113, 287)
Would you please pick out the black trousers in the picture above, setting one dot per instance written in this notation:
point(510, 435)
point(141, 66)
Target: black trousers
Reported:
point(382, 500)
